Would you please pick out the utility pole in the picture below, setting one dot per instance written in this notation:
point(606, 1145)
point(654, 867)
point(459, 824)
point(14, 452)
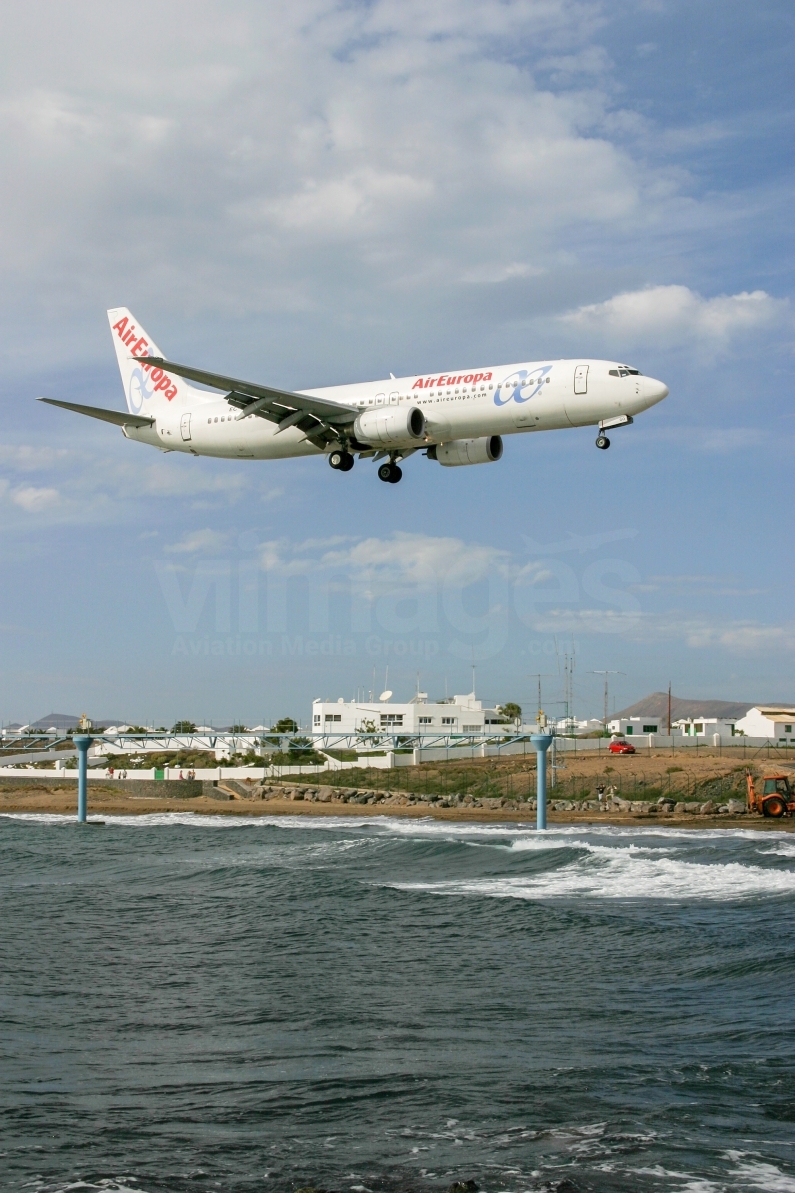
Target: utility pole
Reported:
point(669, 708)
point(539, 675)
point(605, 674)
point(568, 688)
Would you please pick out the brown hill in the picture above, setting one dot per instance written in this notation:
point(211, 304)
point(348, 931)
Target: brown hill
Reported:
point(656, 705)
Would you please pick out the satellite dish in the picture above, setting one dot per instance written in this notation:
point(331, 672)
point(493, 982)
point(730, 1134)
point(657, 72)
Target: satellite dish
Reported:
point(385, 695)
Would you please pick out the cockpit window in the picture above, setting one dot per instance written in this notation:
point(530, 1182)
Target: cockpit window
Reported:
point(623, 371)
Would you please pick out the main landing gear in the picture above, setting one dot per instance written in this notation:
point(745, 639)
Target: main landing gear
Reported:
point(342, 461)
point(602, 442)
point(390, 472)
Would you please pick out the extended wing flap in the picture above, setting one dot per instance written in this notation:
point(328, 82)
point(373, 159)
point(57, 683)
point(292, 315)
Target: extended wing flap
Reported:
point(278, 401)
point(118, 417)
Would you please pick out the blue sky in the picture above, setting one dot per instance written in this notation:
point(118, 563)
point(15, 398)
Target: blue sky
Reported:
point(311, 193)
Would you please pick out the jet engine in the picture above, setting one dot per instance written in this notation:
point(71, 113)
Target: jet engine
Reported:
point(388, 426)
point(467, 451)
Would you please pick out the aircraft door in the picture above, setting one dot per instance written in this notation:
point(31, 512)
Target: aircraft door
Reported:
point(184, 426)
point(584, 407)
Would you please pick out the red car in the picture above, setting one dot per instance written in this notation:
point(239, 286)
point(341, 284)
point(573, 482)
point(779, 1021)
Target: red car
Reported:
point(621, 747)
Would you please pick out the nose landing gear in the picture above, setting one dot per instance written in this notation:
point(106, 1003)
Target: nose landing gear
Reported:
point(391, 473)
point(341, 461)
point(602, 442)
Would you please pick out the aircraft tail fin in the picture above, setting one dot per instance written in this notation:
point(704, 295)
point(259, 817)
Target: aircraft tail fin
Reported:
point(147, 391)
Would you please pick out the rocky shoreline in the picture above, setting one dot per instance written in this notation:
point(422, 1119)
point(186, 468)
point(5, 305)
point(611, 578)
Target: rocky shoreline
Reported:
point(252, 799)
point(390, 799)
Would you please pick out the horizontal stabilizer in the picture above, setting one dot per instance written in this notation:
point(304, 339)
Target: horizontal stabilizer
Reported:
point(118, 417)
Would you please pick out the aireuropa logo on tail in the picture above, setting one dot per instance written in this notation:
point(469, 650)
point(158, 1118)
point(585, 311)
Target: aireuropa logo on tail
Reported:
point(139, 390)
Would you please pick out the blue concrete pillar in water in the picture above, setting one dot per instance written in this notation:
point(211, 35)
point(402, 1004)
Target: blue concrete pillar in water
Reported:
point(541, 743)
point(82, 741)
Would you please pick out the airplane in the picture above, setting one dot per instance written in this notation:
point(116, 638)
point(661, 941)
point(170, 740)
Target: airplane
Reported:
point(456, 418)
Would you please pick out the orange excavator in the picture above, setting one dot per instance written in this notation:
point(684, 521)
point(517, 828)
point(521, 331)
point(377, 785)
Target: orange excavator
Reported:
point(771, 795)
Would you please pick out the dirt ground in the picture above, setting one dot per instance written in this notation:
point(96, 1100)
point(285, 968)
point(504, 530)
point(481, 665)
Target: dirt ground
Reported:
point(686, 775)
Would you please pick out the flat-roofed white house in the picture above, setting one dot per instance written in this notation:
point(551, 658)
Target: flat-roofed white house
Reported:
point(633, 726)
point(571, 725)
point(459, 714)
point(682, 727)
point(704, 726)
point(775, 721)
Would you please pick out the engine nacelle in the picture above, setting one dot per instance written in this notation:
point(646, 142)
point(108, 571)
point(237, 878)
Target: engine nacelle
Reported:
point(468, 451)
point(390, 426)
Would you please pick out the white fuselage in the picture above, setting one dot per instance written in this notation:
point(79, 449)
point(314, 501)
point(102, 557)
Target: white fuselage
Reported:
point(497, 400)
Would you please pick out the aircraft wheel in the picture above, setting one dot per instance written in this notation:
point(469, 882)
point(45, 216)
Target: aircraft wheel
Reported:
point(346, 462)
point(397, 474)
point(335, 459)
point(385, 472)
point(602, 442)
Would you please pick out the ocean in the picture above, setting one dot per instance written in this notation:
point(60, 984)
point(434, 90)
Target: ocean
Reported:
point(193, 1004)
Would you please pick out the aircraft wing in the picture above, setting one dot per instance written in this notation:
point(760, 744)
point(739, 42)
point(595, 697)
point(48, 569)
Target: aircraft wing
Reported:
point(316, 417)
point(120, 418)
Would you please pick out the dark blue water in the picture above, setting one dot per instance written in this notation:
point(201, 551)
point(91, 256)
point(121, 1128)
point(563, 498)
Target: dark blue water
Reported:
point(196, 1004)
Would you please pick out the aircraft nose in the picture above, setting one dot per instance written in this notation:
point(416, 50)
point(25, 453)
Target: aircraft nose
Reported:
point(655, 390)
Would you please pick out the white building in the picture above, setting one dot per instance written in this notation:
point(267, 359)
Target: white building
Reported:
point(769, 720)
point(459, 714)
point(704, 726)
point(572, 725)
point(633, 726)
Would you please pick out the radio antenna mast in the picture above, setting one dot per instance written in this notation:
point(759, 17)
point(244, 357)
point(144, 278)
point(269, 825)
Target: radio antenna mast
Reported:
point(606, 674)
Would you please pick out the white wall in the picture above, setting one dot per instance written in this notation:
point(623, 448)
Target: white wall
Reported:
point(737, 746)
point(757, 724)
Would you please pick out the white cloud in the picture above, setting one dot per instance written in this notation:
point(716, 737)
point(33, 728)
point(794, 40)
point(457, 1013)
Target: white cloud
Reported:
point(26, 458)
point(419, 559)
point(548, 595)
point(278, 557)
point(568, 68)
point(735, 635)
point(676, 313)
point(586, 621)
point(490, 274)
point(697, 633)
point(738, 636)
point(33, 500)
point(158, 480)
point(423, 561)
point(198, 540)
point(413, 146)
point(360, 201)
